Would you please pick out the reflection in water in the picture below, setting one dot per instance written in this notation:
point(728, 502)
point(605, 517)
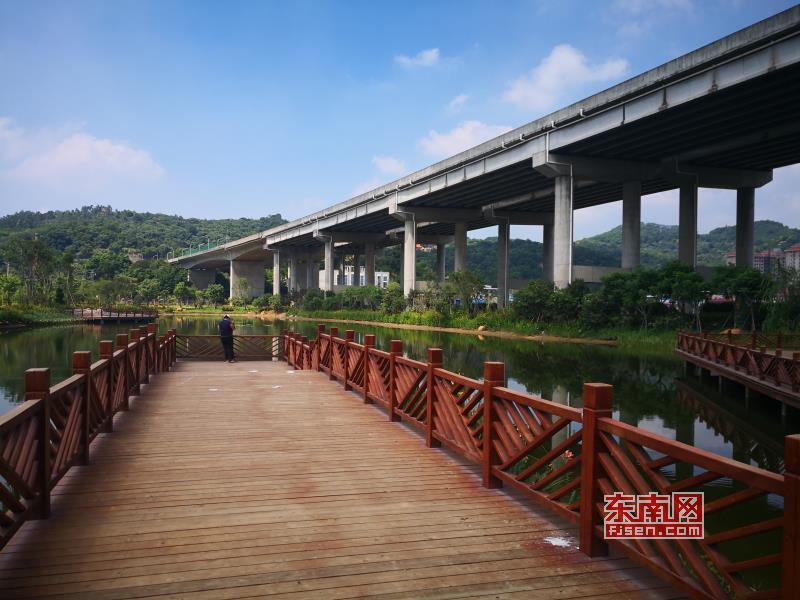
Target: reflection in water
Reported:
point(647, 393)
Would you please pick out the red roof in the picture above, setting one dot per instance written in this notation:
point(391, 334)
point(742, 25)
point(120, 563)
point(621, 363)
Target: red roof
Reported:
point(793, 248)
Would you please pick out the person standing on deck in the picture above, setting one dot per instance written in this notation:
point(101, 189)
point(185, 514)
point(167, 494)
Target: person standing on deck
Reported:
point(226, 328)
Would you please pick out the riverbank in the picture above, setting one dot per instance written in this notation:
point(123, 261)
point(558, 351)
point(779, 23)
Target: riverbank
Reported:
point(38, 316)
point(488, 325)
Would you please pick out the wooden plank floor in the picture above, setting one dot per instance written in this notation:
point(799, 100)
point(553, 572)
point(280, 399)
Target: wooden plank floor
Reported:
point(250, 480)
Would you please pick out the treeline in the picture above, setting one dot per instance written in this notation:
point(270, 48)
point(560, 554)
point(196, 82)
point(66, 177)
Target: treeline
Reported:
point(664, 298)
point(96, 256)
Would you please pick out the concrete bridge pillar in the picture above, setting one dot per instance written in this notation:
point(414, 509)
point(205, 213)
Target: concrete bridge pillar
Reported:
point(400, 275)
point(356, 270)
point(503, 235)
point(328, 278)
point(547, 253)
point(369, 263)
point(461, 247)
point(562, 232)
point(687, 224)
point(745, 217)
point(201, 278)
point(247, 278)
point(294, 265)
point(409, 256)
point(631, 224)
point(312, 274)
point(276, 274)
point(440, 264)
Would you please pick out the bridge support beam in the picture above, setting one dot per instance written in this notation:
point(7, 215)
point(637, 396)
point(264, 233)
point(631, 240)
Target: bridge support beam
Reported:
point(631, 224)
point(687, 224)
point(461, 247)
point(328, 282)
point(369, 263)
point(441, 273)
point(547, 253)
point(745, 217)
point(503, 235)
point(201, 278)
point(276, 273)
point(409, 256)
point(247, 278)
point(357, 270)
point(562, 232)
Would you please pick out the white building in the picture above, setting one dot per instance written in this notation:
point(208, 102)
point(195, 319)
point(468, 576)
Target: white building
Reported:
point(381, 277)
point(791, 257)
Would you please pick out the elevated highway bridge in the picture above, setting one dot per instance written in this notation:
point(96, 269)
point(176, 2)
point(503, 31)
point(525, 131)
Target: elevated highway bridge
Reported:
point(723, 116)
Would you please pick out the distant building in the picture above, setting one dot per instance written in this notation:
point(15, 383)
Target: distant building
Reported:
point(134, 257)
point(766, 261)
point(791, 257)
point(381, 277)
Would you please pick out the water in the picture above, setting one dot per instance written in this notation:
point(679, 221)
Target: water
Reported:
point(649, 392)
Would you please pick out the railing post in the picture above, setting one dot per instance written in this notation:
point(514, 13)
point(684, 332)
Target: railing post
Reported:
point(395, 350)
point(434, 362)
point(791, 515)
point(369, 344)
point(82, 365)
point(494, 375)
point(133, 336)
point(331, 350)
point(144, 342)
point(318, 347)
point(778, 340)
point(349, 336)
point(173, 354)
point(598, 400)
point(107, 353)
point(303, 343)
point(122, 344)
point(796, 371)
point(152, 328)
point(753, 340)
point(37, 386)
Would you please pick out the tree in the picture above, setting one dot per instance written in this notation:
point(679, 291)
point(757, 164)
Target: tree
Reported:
point(750, 287)
point(184, 292)
point(532, 301)
point(106, 264)
point(689, 289)
point(215, 294)
point(468, 287)
point(9, 286)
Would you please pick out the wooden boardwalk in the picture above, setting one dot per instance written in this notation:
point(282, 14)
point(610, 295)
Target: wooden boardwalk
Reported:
point(250, 480)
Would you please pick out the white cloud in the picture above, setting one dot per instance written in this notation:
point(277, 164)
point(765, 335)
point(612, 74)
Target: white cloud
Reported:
point(71, 159)
point(564, 71)
point(466, 135)
point(389, 165)
point(457, 104)
point(423, 58)
point(635, 18)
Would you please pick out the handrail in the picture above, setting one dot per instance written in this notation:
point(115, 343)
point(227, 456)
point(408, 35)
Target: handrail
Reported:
point(566, 459)
point(771, 366)
point(52, 430)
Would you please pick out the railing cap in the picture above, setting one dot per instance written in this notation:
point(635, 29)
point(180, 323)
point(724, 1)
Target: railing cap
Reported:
point(598, 396)
point(494, 371)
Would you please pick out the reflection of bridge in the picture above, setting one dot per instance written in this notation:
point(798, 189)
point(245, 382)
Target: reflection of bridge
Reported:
point(723, 116)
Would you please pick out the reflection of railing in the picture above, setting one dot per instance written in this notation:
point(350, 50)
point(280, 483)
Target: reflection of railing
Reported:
point(771, 367)
point(51, 431)
point(567, 459)
point(245, 347)
point(96, 314)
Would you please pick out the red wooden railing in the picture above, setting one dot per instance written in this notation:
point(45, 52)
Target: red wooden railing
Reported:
point(51, 431)
point(567, 459)
point(773, 367)
point(758, 339)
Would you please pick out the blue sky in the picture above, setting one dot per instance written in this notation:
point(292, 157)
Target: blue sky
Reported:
point(250, 108)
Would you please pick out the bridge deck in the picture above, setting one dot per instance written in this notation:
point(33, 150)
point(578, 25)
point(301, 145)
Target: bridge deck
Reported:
point(221, 484)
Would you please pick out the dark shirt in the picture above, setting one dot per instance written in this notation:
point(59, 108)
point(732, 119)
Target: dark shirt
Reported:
point(225, 328)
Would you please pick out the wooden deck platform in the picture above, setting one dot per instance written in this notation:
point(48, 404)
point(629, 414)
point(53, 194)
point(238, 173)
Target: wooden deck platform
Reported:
point(250, 480)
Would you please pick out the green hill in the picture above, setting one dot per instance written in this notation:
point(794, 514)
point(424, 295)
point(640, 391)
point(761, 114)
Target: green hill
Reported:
point(82, 231)
point(660, 244)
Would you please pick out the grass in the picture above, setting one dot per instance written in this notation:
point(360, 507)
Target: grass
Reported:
point(634, 340)
point(30, 316)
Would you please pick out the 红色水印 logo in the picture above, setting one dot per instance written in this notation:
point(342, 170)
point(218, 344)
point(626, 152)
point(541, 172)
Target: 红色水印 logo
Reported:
point(678, 515)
